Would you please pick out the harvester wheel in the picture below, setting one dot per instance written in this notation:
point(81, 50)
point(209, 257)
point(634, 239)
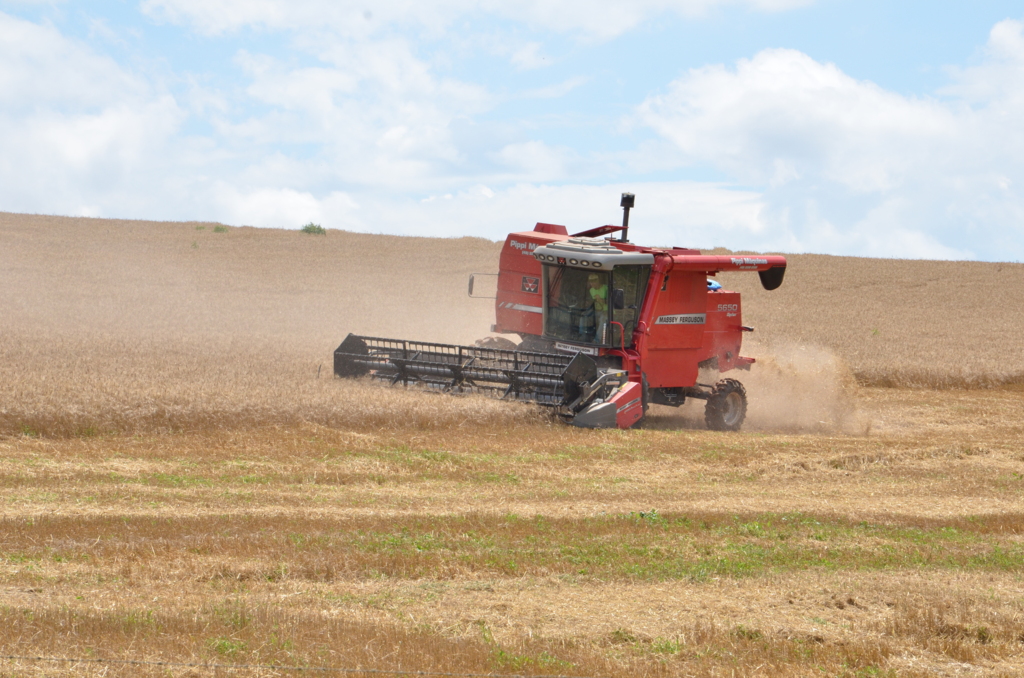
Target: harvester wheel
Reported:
point(726, 407)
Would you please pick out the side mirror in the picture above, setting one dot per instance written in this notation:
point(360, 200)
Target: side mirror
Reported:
point(618, 299)
point(472, 286)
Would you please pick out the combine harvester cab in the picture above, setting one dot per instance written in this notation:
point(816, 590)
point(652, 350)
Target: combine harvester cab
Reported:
point(606, 327)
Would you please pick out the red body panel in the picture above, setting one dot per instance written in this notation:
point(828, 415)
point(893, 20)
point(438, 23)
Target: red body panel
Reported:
point(517, 308)
point(628, 404)
point(681, 324)
point(671, 346)
point(723, 333)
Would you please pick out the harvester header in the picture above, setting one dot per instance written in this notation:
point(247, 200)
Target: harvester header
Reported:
point(605, 329)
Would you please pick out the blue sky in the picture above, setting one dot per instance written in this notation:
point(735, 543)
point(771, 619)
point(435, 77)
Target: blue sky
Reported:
point(860, 128)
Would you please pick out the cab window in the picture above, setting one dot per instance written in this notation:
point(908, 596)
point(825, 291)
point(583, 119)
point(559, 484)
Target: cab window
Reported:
point(582, 305)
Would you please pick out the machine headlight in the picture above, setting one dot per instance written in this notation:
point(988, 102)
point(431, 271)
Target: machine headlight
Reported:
point(584, 263)
point(597, 264)
point(573, 262)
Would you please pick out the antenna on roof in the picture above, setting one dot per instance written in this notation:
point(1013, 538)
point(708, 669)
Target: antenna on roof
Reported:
point(626, 203)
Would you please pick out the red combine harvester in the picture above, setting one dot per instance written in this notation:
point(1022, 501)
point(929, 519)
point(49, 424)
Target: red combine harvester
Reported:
point(606, 327)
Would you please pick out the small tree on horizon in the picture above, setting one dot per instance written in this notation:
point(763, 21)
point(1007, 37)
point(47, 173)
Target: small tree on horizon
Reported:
point(314, 229)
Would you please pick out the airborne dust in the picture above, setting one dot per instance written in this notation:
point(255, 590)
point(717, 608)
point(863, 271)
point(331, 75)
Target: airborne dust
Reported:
point(801, 388)
point(794, 389)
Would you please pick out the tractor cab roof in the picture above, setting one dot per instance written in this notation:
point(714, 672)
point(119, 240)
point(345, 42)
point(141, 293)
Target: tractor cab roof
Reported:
point(586, 252)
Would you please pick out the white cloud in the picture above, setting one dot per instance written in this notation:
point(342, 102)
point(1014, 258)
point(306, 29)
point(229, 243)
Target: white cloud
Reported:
point(529, 56)
point(668, 213)
point(370, 137)
point(557, 90)
point(536, 161)
point(279, 207)
point(308, 89)
point(30, 3)
point(39, 67)
point(594, 18)
point(1000, 78)
point(75, 127)
point(858, 169)
point(376, 114)
point(782, 116)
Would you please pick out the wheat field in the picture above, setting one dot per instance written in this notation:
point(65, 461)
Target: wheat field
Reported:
point(183, 481)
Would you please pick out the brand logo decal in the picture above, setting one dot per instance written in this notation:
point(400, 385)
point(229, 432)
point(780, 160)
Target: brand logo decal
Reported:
point(684, 319)
point(526, 248)
point(748, 261)
point(531, 285)
point(587, 350)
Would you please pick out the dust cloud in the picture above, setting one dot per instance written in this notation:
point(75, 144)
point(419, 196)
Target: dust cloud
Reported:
point(791, 388)
point(801, 389)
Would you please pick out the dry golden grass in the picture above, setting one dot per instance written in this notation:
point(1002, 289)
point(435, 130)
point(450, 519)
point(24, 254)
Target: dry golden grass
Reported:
point(652, 552)
point(132, 386)
point(133, 326)
point(233, 628)
point(896, 322)
point(177, 484)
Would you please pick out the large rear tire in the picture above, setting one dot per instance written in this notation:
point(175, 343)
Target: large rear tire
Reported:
point(726, 407)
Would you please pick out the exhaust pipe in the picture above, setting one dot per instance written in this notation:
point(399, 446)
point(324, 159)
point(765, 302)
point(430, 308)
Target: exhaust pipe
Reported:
point(626, 204)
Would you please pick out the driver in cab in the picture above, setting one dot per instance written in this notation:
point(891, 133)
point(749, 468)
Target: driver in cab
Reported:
point(598, 293)
point(597, 298)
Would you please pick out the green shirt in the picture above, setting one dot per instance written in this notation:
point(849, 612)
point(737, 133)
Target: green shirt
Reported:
point(600, 297)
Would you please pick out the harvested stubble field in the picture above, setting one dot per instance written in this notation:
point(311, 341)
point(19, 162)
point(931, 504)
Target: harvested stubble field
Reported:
point(179, 485)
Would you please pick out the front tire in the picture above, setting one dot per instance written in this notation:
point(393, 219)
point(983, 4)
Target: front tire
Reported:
point(726, 407)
